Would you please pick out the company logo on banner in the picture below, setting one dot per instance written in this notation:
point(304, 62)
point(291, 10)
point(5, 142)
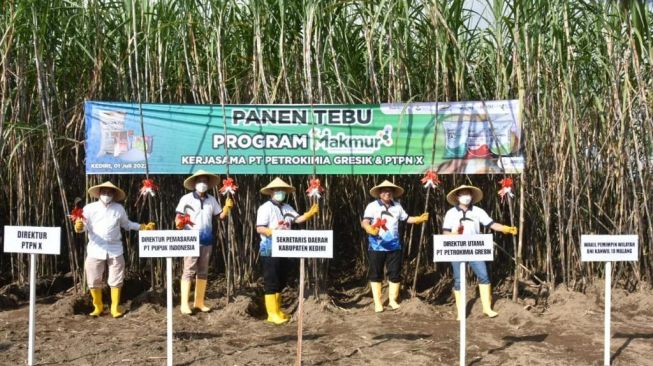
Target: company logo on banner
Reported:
point(471, 138)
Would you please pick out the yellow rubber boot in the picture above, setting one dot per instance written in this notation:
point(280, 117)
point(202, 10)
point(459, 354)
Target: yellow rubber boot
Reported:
point(116, 311)
point(200, 291)
point(393, 294)
point(185, 293)
point(377, 288)
point(96, 294)
point(460, 307)
point(282, 315)
point(486, 300)
point(273, 310)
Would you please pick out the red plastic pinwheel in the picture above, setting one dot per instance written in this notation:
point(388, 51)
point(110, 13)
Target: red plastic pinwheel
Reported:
point(77, 213)
point(148, 188)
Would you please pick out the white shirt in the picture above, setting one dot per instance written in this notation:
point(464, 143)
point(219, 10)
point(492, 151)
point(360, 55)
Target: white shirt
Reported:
point(276, 216)
point(103, 225)
point(201, 214)
point(472, 219)
point(388, 238)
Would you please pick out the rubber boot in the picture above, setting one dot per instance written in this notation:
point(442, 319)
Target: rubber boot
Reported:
point(393, 294)
point(282, 315)
point(200, 291)
point(185, 292)
point(273, 310)
point(486, 300)
point(377, 288)
point(460, 307)
point(96, 294)
point(116, 311)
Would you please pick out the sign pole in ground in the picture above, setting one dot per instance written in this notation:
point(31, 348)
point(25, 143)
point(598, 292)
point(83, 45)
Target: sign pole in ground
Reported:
point(169, 308)
point(32, 305)
point(463, 312)
point(608, 248)
point(32, 240)
point(300, 311)
point(608, 303)
point(168, 244)
point(302, 244)
point(462, 249)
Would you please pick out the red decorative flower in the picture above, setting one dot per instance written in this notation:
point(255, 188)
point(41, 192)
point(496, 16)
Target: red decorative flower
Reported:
point(506, 188)
point(380, 223)
point(430, 179)
point(185, 220)
point(228, 186)
point(77, 213)
point(148, 188)
point(314, 188)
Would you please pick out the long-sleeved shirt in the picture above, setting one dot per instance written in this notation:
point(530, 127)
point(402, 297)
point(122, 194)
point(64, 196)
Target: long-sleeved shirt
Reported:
point(103, 225)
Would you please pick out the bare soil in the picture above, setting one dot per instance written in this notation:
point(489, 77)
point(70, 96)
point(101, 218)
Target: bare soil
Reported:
point(564, 328)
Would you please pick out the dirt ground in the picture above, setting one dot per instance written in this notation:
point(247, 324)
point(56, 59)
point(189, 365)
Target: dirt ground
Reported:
point(565, 328)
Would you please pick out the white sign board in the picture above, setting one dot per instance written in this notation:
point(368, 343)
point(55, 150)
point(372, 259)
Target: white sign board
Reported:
point(608, 248)
point(463, 248)
point(32, 239)
point(302, 243)
point(168, 243)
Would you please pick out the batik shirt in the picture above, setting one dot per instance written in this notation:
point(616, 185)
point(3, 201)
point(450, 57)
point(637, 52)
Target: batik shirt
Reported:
point(390, 215)
point(201, 213)
point(276, 216)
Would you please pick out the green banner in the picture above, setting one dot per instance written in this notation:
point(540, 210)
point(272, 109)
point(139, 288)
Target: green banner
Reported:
point(451, 137)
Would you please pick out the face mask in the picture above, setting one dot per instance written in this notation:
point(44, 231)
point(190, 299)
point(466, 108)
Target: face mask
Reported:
point(279, 196)
point(106, 199)
point(201, 187)
point(465, 199)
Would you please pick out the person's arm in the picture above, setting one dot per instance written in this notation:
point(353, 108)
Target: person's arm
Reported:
point(264, 230)
point(366, 224)
point(418, 219)
point(226, 210)
point(308, 214)
point(504, 228)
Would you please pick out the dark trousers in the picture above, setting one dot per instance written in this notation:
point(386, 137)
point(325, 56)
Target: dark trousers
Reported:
point(379, 259)
point(275, 274)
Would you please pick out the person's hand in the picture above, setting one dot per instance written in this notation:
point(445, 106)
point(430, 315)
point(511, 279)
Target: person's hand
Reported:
point(267, 232)
point(512, 230)
point(149, 226)
point(228, 205)
point(312, 211)
point(374, 231)
point(421, 218)
point(79, 226)
point(180, 221)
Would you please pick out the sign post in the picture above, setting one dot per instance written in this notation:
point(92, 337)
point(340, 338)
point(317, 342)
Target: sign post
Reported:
point(167, 244)
point(302, 244)
point(608, 249)
point(460, 249)
point(32, 240)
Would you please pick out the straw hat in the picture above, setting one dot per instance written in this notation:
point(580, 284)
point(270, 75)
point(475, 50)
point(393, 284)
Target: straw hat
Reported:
point(452, 197)
point(277, 185)
point(398, 191)
point(118, 196)
point(189, 183)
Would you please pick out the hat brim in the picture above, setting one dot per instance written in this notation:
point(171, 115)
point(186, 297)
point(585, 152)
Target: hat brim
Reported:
point(277, 185)
point(477, 194)
point(397, 191)
point(119, 194)
point(189, 183)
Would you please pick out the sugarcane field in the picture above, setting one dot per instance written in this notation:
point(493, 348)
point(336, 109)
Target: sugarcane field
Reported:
point(326, 182)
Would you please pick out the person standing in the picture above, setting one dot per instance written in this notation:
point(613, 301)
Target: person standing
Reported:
point(466, 218)
point(381, 223)
point(197, 210)
point(102, 222)
point(274, 214)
